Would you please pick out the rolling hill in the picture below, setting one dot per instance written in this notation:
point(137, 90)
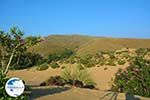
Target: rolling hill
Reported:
point(86, 45)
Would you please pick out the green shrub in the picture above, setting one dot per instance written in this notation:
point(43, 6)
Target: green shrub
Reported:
point(70, 60)
point(63, 67)
point(26, 60)
point(135, 80)
point(121, 62)
point(42, 67)
point(126, 55)
point(3, 94)
point(141, 51)
point(54, 65)
point(59, 56)
point(80, 66)
point(111, 55)
point(90, 64)
point(54, 80)
point(53, 57)
point(102, 63)
point(84, 61)
point(130, 59)
point(76, 74)
point(111, 63)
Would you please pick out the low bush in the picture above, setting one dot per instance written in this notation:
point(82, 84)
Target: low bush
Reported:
point(121, 62)
point(71, 61)
point(42, 67)
point(63, 67)
point(54, 65)
point(26, 60)
point(135, 80)
point(89, 86)
point(90, 64)
point(54, 80)
point(141, 51)
point(111, 63)
point(80, 67)
point(71, 76)
point(84, 61)
point(59, 56)
point(111, 55)
point(102, 63)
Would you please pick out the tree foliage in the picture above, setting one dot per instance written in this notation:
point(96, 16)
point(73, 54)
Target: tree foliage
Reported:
point(13, 45)
point(135, 79)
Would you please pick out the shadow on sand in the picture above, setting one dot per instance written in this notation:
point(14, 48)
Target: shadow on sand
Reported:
point(37, 92)
point(131, 97)
point(114, 95)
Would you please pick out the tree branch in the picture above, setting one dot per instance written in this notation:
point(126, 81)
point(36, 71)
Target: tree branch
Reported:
point(10, 59)
point(2, 59)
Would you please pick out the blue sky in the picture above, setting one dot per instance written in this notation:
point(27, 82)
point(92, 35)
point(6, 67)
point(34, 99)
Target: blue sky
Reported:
point(110, 18)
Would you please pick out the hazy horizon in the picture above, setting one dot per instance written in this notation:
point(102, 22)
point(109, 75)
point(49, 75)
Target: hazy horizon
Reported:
point(78, 34)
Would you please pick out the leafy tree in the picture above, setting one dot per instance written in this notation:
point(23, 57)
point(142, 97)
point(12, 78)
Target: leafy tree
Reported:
point(13, 50)
point(13, 44)
point(135, 79)
point(26, 60)
point(54, 65)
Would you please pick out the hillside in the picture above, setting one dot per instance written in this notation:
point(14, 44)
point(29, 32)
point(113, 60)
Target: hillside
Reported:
point(110, 44)
point(86, 45)
point(57, 43)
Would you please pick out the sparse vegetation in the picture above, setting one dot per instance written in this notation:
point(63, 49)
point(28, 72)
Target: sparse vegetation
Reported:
point(121, 62)
point(59, 56)
point(57, 43)
point(111, 63)
point(80, 67)
point(15, 54)
point(63, 67)
point(54, 80)
point(141, 51)
point(42, 67)
point(54, 65)
point(77, 75)
point(87, 61)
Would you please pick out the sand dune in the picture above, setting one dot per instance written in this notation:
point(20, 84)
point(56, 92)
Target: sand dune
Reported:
point(102, 78)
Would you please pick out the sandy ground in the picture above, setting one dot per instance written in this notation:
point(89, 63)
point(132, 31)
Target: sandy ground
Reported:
point(66, 93)
point(34, 77)
point(102, 78)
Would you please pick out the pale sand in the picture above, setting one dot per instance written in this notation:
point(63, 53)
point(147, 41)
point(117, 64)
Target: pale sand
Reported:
point(102, 78)
point(34, 77)
point(66, 93)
